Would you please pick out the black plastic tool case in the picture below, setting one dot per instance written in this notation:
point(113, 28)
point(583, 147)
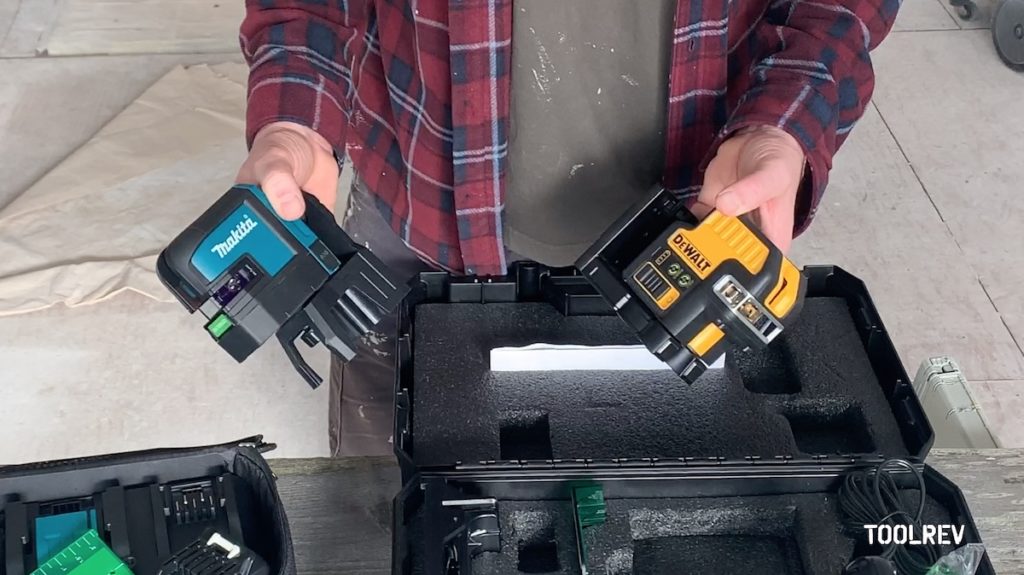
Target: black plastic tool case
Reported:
point(148, 504)
point(734, 474)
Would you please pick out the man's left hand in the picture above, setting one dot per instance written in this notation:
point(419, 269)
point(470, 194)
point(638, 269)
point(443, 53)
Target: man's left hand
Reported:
point(758, 170)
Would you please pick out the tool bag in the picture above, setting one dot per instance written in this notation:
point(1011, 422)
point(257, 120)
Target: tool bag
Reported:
point(737, 473)
point(146, 506)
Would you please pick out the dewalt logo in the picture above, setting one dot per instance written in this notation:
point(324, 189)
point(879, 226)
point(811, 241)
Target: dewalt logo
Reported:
point(690, 254)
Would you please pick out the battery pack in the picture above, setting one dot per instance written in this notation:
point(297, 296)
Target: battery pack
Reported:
point(214, 554)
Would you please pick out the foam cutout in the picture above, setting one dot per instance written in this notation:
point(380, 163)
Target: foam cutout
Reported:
point(812, 392)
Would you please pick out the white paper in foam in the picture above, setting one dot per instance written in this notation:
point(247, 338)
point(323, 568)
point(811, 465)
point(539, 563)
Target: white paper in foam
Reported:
point(548, 357)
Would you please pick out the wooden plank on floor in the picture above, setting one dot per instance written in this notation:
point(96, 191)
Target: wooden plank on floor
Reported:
point(916, 15)
point(29, 25)
point(56, 104)
point(957, 112)
point(146, 26)
point(991, 480)
point(8, 10)
point(340, 515)
point(876, 222)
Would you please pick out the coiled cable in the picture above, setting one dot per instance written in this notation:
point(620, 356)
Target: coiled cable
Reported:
point(872, 497)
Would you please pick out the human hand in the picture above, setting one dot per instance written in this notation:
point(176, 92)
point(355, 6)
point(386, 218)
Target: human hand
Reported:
point(287, 159)
point(758, 170)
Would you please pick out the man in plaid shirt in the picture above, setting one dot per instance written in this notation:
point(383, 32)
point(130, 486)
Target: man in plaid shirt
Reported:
point(482, 131)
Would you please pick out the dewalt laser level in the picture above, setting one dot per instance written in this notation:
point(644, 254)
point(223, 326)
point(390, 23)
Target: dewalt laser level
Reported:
point(689, 287)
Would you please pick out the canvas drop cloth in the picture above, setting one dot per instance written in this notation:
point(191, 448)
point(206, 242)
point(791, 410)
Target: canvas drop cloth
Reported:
point(94, 225)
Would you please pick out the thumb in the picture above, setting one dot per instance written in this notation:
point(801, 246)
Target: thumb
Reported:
point(749, 193)
point(277, 178)
point(282, 160)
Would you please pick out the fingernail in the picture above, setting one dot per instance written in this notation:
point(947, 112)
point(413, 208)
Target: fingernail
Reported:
point(290, 207)
point(727, 202)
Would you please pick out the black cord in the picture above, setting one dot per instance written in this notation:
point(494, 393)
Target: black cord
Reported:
point(872, 497)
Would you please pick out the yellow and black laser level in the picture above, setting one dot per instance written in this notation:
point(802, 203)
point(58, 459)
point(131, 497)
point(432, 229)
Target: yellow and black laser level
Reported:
point(692, 288)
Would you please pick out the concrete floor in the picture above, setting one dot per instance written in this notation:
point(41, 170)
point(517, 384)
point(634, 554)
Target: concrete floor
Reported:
point(924, 206)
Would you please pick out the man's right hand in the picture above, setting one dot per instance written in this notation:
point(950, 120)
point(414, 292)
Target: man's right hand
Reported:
point(287, 159)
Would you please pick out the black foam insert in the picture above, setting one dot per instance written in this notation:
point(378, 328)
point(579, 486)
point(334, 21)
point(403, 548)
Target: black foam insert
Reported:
point(525, 435)
point(770, 372)
point(538, 552)
point(720, 554)
point(796, 534)
point(839, 430)
point(813, 391)
point(536, 537)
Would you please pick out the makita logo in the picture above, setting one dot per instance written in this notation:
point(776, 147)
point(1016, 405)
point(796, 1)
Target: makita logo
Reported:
point(238, 234)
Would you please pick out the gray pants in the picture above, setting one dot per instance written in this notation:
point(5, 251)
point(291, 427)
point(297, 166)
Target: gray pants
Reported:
point(363, 390)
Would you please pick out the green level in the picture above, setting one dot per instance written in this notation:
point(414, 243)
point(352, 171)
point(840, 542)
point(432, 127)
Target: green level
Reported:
point(87, 555)
point(589, 510)
point(219, 325)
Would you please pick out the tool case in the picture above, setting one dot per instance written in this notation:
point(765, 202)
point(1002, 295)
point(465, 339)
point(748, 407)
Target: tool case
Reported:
point(957, 418)
point(737, 473)
point(141, 509)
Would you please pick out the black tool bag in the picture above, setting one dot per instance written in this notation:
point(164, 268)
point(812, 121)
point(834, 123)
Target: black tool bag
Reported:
point(148, 505)
point(737, 473)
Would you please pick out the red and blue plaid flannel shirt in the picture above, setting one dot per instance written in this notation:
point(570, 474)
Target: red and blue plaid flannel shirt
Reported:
point(416, 92)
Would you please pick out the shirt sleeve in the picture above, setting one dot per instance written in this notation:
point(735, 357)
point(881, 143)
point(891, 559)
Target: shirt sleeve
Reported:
point(297, 51)
point(812, 76)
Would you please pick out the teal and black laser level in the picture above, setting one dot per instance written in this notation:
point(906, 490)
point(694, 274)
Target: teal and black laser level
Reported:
point(254, 275)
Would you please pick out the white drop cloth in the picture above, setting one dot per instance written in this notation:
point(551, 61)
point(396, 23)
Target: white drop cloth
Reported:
point(94, 225)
